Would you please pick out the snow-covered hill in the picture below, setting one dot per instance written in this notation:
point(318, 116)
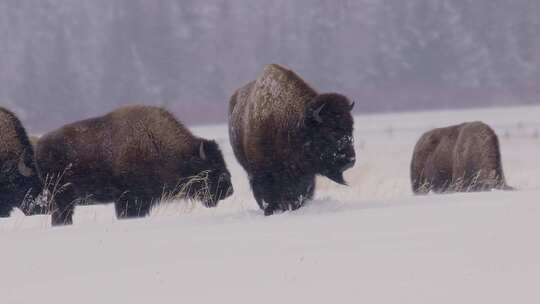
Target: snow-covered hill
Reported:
point(372, 242)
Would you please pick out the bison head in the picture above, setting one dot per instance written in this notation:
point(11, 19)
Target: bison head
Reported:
point(20, 185)
point(215, 182)
point(330, 135)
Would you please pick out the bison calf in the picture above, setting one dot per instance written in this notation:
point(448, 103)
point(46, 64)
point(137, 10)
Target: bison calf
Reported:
point(462, 158)
point(19, 182)
point(133, 156)
point(284, 133)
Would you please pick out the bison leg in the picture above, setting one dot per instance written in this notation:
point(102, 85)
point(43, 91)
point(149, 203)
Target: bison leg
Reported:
point(63, 207)
point(260, 185)
point(264, 190)
point(130, 206)
point(296, 192)
point(278, 193)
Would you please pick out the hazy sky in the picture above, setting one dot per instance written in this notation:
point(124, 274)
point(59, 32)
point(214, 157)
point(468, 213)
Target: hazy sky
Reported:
point(63, 60)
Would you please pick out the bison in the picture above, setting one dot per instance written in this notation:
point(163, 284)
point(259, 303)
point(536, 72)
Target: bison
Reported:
point(19, 182)
point(284, 133)
point(459, 158)
point(134, 156)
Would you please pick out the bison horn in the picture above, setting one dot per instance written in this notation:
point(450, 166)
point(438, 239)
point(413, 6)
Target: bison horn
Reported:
point(352, 106)
point(23, 168)
point(202, 154)
point(317, 114)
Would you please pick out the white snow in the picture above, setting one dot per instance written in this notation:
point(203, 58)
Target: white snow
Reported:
point(372, 242)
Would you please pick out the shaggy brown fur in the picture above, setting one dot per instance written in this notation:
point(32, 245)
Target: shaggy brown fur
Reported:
point(19, 183)
point(284, 133)
point(463, 158)
point(132, 156)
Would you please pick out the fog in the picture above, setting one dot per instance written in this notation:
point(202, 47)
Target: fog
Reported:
point(64, 60)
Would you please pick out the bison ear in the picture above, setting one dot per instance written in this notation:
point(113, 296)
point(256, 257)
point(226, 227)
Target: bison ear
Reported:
point(202, 153)
point(24, 170)
point(352, 106)
point(316, 114)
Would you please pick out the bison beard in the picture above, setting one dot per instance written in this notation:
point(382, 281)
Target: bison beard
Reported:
point(133, 156)
point(461, 158)
point(19, 183)
point(283, 134)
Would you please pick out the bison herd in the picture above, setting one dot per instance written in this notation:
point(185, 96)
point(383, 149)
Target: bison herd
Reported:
point(282, 131)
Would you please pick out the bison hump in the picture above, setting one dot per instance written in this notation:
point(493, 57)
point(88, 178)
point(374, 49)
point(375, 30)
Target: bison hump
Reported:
point(281, 90)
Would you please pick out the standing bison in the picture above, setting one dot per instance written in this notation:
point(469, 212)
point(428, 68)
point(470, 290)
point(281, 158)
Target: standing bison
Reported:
point(19, 182)
point(284, 133)
point(133, 156)
point(462, 158)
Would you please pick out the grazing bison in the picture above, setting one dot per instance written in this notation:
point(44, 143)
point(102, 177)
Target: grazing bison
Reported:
point(284, 133)
point(19, 182)
point(462, 158)
point(134, 157)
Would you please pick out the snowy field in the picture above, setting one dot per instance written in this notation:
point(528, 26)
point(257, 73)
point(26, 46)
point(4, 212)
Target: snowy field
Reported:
point(371, 242)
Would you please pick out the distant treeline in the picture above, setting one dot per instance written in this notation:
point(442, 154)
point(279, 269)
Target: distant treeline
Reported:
point(63, 60)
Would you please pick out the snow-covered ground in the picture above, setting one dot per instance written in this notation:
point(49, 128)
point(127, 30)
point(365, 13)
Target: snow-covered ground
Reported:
point(372, 242)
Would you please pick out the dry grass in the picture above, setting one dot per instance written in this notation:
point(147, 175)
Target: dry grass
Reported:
point(183, 194)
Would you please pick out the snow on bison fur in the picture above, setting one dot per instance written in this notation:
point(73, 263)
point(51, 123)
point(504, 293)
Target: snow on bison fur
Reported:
point(460, 158)
point(132, 156)
point(284, 133)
